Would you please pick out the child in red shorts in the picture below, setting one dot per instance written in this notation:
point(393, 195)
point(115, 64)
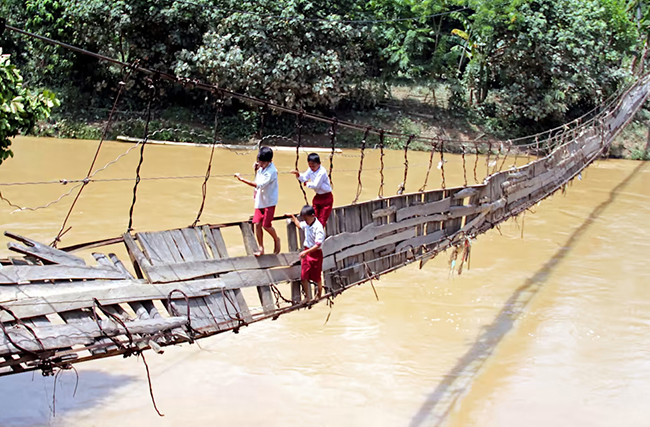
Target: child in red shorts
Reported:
point(312, 256)
point(316, 178)
point(266, 198)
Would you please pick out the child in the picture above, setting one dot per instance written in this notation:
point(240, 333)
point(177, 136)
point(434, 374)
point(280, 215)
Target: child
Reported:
point(312, 255)
point(266, 197)
point(316, 178)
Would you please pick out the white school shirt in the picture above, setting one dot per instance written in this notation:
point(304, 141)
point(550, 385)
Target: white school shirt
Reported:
point(314, 233)
point(318, 181)
point(266, 192)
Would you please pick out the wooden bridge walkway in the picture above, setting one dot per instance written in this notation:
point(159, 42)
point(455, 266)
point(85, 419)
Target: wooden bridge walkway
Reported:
point(55, 310)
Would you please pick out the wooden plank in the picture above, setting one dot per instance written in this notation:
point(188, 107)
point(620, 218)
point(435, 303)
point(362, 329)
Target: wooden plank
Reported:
point(251, 246)
point(102, 260)
point(359, 249)
point(120, 266)
point(423, 210)
point(200, 315)
point(249, 278)
point(196, 243)
point(176, 244)
point(292, 241)
point(250, 243)
point(418, 241)
point(155, 247)
point(41, 251)
point(217, 244)
point(77, 296)
point(20, 274)
point(137, 257)
point(63, 336)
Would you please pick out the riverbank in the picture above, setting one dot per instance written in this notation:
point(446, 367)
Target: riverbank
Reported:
point(407, 110)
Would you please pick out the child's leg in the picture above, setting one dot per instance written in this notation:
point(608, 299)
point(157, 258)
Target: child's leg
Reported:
point(267, 223)
point(319, 292)
point(276, 239)
point(260, 238)
point(306, 290)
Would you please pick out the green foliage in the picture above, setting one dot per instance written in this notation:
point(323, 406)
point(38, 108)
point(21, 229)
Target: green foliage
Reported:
point(295, 63)
point(544, 60)
point(19, 108)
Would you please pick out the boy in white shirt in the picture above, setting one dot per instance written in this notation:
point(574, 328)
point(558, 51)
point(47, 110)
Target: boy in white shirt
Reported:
point(316, 178)
point(266, 198)
point(311, 265)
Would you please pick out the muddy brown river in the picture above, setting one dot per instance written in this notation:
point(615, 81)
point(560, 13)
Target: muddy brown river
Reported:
point(551, 329)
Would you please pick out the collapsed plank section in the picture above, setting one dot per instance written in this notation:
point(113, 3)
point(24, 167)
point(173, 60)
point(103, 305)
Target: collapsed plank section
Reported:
point(182, 284)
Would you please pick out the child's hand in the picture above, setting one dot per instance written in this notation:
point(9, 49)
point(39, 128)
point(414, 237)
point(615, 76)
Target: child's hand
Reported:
point(238, 176)
point(296, 173)
point(303, 254)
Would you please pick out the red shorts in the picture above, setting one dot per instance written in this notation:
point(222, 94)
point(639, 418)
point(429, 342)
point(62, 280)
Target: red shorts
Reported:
point(311, 266)
point(323, 204)
point(265, 216)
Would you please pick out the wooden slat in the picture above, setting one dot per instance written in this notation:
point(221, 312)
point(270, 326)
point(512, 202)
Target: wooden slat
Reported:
point(75, 296)
point(423, 210)
point(120, 266)
point(41, 251)
point(155, 247)
point(18, 274)
point(196, 243)
point(219, 243)
point(292, 242)
point(165, 273)
point(61, 336)
point(137, 257)
point(250, 243)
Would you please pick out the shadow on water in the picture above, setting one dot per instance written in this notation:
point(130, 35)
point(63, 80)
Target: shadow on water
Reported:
point(441, 401)
point(26, 399)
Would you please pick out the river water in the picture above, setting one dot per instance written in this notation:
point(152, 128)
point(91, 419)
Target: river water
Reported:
point(546, 330)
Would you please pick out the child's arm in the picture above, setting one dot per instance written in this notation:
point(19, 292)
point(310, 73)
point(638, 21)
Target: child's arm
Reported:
point(294, 219)
point(310, 250)
point(245, 181)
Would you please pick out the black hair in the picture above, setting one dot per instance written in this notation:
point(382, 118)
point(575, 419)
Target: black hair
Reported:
point(265, 154)
point(307, 210)
point(313, 157)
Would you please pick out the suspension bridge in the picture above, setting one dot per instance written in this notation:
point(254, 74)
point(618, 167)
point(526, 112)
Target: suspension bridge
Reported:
point(182, 285)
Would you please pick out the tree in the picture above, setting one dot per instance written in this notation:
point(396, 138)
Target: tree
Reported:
point(298, 63)
point(549, 59)
point(20, 109)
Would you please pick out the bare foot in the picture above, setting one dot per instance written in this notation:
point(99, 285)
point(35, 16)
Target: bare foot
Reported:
point(276, 246)
point(260, 252)
point(304, 301)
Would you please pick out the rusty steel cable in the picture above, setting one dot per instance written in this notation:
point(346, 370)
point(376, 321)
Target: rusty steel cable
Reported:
point(487, 159)
point(122, 85)
point(402, 186)
point(464, 166)
point(476, 162)
point(380, 193)
point(332, 133)
point(298, 144)
point(426, 177)
point(506, 156)
point(204, 187)
point(442, 163)
point(359, 183)
point(152, 88)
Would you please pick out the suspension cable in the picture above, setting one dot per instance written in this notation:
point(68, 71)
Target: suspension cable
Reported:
point(402, 186)
point(363, 148)
point(122, 85)
point(332, 133)
point(204, 187)
point(152, 88)
point(380, 194)
point(299, 143)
